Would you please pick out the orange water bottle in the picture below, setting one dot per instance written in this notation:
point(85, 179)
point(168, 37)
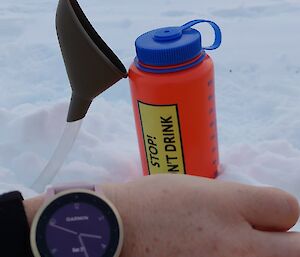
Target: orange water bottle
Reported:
point(172, 87)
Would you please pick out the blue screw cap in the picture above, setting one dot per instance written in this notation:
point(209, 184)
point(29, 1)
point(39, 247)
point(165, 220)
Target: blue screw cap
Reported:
point(174, 45)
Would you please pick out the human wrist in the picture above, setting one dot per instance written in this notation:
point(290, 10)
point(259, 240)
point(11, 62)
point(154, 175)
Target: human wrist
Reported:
point(31, 206)
point(125, 201)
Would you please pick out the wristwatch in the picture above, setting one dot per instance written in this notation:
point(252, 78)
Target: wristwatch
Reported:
point(76, 221)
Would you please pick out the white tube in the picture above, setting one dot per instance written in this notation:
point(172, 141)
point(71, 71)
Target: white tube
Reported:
point(64, 147)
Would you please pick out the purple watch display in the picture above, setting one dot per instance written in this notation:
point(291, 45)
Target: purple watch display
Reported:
point(77, 223)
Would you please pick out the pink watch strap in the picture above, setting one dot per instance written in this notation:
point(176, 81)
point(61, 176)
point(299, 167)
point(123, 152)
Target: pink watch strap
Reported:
point(52, 191)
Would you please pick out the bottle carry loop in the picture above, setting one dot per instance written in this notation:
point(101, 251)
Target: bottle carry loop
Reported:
point(217, 30)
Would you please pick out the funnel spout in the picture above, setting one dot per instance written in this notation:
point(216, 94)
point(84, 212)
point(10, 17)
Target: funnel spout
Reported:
point(78, 108)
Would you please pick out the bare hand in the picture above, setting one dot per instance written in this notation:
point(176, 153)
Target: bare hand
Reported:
point(183, 216)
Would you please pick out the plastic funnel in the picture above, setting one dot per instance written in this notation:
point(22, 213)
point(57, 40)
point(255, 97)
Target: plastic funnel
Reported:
point(91, 65)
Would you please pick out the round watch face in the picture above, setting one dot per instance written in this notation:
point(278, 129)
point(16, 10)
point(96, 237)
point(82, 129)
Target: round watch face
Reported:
point(78, 224)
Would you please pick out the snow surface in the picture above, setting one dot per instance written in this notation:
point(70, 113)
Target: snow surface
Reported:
point(258, 93)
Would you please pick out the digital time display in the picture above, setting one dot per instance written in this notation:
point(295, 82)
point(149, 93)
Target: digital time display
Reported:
point(79, 225)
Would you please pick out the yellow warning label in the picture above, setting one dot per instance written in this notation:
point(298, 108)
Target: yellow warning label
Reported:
point(162, 138)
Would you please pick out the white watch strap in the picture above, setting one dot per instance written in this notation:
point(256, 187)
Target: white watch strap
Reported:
point(52, 191)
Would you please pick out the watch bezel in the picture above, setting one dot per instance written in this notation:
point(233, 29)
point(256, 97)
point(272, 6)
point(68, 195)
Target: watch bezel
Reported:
point(116, 247)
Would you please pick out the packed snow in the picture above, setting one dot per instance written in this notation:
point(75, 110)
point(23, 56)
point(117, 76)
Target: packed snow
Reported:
point(258, 90)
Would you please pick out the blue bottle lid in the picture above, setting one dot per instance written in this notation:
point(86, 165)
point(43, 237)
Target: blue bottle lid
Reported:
point(174, 45)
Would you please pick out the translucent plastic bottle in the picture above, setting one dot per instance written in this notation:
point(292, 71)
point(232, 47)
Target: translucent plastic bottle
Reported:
point(173, 93)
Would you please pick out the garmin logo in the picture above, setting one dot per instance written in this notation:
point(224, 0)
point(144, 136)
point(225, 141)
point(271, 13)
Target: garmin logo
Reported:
point(77, 218)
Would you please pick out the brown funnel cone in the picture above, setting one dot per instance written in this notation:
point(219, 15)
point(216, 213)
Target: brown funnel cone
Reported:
point(91, 65)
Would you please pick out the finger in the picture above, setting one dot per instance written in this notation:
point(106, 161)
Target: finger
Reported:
point(267, 209)
point(277, 244)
